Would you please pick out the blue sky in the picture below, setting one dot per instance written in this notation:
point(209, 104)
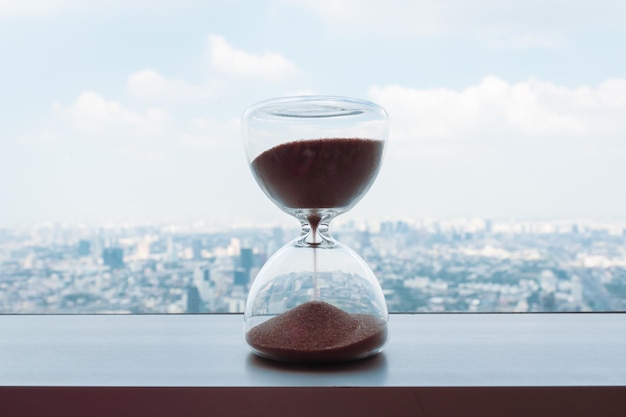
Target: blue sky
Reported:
point(129, 110)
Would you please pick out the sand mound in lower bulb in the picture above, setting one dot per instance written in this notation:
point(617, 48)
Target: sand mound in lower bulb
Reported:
point(316, 331)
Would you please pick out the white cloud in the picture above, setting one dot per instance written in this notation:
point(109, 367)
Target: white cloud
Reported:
point(497, 148)
point(149, 132)
point(225, 59)
point(93, 123)
point(92, 113)
point(150, 85)
point(530, 148)
point(99, 159)
point(495, 107)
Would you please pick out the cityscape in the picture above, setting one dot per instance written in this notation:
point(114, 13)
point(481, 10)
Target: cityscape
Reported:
point(425, 265)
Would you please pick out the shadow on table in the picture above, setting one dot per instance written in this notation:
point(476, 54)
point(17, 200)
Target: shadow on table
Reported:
point(369, 371)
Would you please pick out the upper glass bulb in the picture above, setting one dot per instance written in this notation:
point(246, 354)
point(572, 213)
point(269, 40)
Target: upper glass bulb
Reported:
point(315, 154)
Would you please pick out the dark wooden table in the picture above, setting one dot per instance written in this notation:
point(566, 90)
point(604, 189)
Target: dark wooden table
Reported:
point(199, 365)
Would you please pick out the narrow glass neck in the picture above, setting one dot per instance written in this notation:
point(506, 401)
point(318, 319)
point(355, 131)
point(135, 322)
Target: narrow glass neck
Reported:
point(315, 226)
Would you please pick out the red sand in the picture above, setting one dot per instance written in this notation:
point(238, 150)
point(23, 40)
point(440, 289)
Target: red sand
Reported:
point(319, 173)
point(318, 332)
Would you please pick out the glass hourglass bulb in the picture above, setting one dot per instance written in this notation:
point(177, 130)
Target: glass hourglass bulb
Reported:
point(315, 299)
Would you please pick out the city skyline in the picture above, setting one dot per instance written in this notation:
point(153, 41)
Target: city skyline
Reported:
point(129, 111)
point(466, 265)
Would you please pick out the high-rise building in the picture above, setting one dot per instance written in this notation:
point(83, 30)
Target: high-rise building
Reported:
point(246, 263)
point(402, 227)
point(196, 247)
point(97, 247)
point(548, 281)
point(201, 275)
point(143, 249)
point(170, 251)
point(113, 257)
point(278, 236)
point(194, 302)
point(84, 248)
point(246, 258)
point(577, 290)
point(365, 238)
point(234, 247)
point(242, 276)
point(205, 286)
point(386, 228)
point(488, 226)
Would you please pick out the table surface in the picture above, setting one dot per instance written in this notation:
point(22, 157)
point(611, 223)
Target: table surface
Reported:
point(424, 350)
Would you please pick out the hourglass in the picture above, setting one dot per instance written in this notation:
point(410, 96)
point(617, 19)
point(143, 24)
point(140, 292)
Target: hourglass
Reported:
point(315, 299)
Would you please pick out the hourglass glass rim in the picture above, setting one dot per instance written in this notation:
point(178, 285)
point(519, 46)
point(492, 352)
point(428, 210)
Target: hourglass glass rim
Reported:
point(313, 107)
